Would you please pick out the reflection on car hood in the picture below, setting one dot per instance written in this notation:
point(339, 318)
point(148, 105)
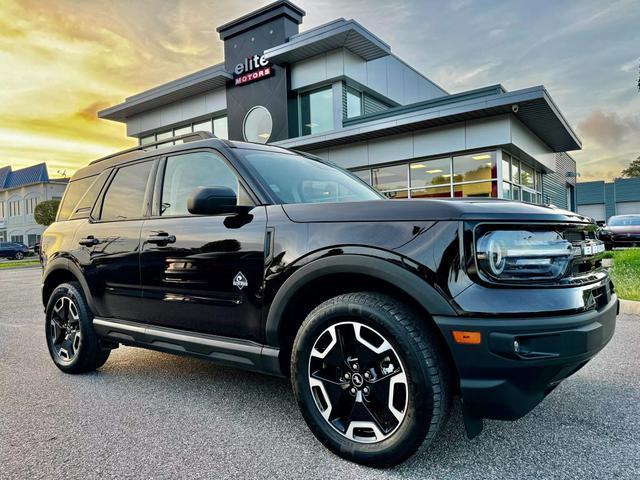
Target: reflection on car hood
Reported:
point(432, 209)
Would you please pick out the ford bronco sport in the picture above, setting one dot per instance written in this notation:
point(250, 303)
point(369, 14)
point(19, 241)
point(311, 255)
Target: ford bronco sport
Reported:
point(380, 311)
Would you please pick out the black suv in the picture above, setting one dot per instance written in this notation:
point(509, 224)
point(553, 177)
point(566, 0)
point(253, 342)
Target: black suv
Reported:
point(380, 311)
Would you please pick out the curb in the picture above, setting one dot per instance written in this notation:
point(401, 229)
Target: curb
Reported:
point(629, 307)
point(20, 267)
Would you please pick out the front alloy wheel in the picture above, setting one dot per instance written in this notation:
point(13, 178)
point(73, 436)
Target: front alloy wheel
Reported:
point(370, 378)
point(358, 382)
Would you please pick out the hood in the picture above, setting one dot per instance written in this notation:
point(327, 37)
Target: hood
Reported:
point(436, 209)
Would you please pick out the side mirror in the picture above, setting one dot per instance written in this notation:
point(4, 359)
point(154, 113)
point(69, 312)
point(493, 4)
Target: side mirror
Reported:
point(213, 201)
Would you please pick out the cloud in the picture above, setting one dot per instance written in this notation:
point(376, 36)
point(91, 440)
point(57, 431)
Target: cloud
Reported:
point(608, 128)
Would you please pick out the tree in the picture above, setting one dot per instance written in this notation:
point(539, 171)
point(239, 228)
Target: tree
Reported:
point(45, 212)
point(633, 170)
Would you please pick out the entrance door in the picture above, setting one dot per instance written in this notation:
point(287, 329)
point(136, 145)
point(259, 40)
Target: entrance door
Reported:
point(202, 273)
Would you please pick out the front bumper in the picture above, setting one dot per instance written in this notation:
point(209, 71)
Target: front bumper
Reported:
point(502, 382)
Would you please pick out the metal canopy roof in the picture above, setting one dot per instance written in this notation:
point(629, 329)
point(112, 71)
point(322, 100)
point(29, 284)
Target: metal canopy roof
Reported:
point(535, 109)
point(189, 85)
point(340, 33)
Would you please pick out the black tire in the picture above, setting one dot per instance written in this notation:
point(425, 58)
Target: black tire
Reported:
point(18, 256)
point(428, 400)
point(89, 355)
point(608, 246)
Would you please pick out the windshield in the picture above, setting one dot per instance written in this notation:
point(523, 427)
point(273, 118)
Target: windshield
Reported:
point(626, 220)
point(296, 179)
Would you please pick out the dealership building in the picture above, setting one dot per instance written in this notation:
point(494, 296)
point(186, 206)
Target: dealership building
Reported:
point(339, 92)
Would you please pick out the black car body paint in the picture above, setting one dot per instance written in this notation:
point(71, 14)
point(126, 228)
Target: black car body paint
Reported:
point(181, 296)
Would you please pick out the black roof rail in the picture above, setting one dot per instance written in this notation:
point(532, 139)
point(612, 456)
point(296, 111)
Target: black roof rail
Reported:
point(187, 137)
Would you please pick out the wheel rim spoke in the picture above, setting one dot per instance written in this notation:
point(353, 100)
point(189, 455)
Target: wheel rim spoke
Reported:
point(358, 382)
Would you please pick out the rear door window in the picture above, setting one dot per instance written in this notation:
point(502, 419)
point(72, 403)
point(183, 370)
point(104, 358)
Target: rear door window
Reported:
point(125, 196)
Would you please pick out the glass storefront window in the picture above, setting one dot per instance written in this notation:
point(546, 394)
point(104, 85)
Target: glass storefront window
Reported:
point(527, 176)
point(147, 139)
point(364, 175)
point(528, 196)
point(397, 195)
point(515, 193)
point(432, 192)
point(475, 166)
point(203, 127)
point(220, 128)
point(506, 167)
point(506, 190)
point(182, 130)
point(430, 172)
point(481, 189)
point(390, 178)
point(354, 102)
point(515, 170)
point(316, 111)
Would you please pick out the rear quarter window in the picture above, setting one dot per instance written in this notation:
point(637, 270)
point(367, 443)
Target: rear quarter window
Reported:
point(72, 195)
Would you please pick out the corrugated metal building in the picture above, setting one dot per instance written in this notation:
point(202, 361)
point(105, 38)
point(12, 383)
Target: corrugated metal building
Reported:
point(338, 91)
point(602, 200)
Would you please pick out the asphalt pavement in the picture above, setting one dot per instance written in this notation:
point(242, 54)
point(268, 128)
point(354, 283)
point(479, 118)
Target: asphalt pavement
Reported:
point(153, 415)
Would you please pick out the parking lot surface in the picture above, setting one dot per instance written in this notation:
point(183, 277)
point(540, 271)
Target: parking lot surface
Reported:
point(153, 415)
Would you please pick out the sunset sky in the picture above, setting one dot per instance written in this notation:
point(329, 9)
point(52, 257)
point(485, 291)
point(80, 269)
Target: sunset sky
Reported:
point(62, 60)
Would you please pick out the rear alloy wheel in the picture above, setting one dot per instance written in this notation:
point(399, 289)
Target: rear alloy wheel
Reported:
point(72, 341)
point(65, 329)
point(370, 378)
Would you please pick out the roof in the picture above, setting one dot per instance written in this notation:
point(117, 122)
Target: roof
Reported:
point(262, 15)
point(535, 109)
point(183, 87)
point(339, 33)
point(25, 176)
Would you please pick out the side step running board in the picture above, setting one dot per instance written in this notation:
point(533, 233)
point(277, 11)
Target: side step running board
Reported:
point(227, 351)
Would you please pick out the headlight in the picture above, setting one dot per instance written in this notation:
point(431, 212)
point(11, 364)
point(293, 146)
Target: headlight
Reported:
point(523, 255)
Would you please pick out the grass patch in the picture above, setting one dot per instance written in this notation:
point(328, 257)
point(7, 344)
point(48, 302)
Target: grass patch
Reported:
point(626, 273)
point(20, 263)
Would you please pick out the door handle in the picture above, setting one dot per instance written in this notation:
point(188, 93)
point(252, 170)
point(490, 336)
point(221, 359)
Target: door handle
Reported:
point(162, 238)
point(89, 241)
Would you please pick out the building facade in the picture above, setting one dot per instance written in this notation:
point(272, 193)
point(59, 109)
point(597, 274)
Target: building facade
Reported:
point(20, 192)
point(601, 200)
point(339, 92)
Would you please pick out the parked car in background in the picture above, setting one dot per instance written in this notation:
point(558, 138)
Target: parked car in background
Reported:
point(621, 231)
point(13, 250)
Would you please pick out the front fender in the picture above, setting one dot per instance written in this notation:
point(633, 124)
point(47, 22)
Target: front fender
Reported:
point(395, 269)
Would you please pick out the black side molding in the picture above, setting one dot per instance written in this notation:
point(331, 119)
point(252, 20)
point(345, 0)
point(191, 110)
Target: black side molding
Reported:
point(233, 352)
